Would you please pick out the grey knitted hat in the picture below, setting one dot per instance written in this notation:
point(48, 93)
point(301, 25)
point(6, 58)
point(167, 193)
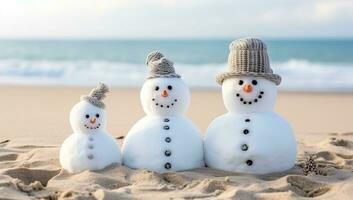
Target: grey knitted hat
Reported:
point(248, 57)
point(96, 95)
point(159, 66)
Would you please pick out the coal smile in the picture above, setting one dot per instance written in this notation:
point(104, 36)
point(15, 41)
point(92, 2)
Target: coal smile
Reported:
point(165, 105)
point(259, 96)
point(88, 127)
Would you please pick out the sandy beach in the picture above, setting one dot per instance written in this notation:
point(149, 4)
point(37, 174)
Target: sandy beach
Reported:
point(34, 122)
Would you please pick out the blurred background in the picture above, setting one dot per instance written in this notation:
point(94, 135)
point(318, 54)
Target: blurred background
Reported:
point(81, 42)
point(54, 51)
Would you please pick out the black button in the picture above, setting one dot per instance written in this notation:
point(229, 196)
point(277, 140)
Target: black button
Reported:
point(167, 153)
point(249, 162)
point(168, 139)
point(90, 156)
point(168, 165)
point(244, 147)
point(246, 131)
point(166, 127)
point(247, 120)
point(166, 120)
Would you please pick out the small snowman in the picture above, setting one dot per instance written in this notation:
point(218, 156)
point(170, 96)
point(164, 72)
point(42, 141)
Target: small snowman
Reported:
point(90, 147)
point(250, 138)
point(164, 140)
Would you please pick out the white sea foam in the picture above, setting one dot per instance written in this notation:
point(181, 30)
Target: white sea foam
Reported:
point(297, 75)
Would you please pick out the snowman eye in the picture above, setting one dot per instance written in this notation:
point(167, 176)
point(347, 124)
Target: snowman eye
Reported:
point(156, 88)
point(240, 82)
point(170, 87)
point(254, 82)
point(87, 116)
point(97, 115)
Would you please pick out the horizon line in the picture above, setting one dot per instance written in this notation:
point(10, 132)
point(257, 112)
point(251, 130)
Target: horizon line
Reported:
point(173, 38)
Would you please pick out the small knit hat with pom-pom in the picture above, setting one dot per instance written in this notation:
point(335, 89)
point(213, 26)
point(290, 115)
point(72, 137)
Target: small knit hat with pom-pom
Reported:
point(96, 95)
point(159, 66)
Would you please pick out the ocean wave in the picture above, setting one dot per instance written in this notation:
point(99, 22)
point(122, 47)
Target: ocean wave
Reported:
point(297, 75)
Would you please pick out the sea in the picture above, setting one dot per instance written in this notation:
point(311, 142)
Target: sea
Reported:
point(324, 65)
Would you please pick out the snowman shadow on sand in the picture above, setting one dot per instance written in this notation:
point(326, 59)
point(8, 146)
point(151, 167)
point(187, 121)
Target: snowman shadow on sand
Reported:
point(90, 147)
point(164, 140)
point(250, 138)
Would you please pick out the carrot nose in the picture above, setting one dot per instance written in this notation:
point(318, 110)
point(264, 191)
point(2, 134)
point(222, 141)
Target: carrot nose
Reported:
point(247, 88)
point(93, 120)
point(164, 93)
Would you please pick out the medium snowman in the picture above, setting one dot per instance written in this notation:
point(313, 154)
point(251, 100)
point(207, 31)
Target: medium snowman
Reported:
point(90, 147)
point(164, 140)
point(250, 138)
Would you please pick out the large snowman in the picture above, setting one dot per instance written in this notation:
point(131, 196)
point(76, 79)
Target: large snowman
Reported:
point(250, 138)
point(164, 140)
point(90, 147)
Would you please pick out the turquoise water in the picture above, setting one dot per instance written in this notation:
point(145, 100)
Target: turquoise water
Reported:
point(183, 51)
point(121, 62)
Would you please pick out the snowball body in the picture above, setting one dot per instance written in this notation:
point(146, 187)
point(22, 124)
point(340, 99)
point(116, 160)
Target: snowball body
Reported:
point(164, 140)
point(250, 138)
point(90, 147)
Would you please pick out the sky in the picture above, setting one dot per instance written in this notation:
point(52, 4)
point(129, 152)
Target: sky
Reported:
point(176, 18)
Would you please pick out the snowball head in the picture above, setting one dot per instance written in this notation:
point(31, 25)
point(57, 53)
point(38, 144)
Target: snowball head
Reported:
point(87, 118)
point(248, 94)
point(165, 96)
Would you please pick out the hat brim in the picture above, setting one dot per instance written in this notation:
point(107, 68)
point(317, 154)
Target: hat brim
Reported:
point(93, 101)
point(269, 76)
point(163, 76)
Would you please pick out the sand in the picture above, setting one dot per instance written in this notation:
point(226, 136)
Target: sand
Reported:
point(34, 122)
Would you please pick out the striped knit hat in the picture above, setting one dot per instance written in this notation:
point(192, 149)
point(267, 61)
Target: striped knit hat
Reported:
point(248, 57)
point(159, 66)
